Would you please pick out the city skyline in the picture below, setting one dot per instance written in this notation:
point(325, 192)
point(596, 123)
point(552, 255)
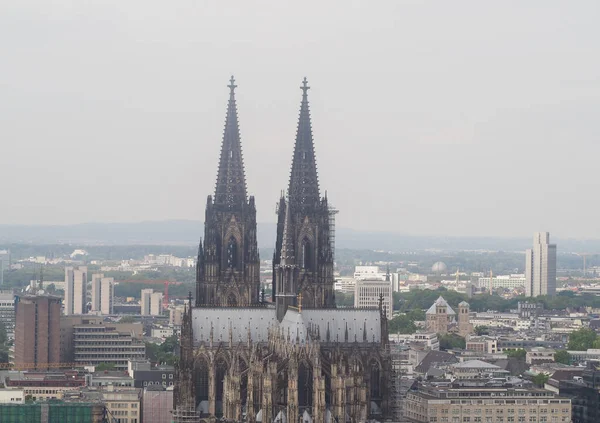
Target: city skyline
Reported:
point(442, 132)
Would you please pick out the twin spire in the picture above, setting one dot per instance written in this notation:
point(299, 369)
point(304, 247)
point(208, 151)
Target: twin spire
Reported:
point(303, 188)
point(231, 180)
point(304, 181)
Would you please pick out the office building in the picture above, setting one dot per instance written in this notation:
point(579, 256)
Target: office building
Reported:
point(540, 266)
point(102, 294)
point(75, 290)
point(502, 281)
point(105, 342)
point(368, 293)
point(145, 301)
point(457, 403)
point(7, 312)
point(156, 304)
point(151, 302)
point(37, 330)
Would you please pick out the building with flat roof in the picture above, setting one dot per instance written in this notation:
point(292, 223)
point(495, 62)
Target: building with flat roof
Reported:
point(455, 403)
point(369, 292)
point(37, 330)
point(103, 293)
point(540, 266)
point(76, 290)
point(95, 343)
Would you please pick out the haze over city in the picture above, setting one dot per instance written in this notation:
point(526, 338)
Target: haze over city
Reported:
point(434, 118)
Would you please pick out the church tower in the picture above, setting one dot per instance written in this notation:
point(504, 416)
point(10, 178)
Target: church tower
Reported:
point(227, 272)
point(307, 243)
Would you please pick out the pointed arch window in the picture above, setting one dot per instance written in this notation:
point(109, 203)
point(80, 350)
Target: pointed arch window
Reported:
point(306, 254)
point(232, 253)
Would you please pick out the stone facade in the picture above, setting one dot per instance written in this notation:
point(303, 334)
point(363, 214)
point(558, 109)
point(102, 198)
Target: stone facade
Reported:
point(245, 359)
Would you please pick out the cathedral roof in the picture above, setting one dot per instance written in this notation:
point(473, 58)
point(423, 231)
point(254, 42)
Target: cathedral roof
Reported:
point(440, 302)
point(241, 321)
point(331, 325)
point(334, 325)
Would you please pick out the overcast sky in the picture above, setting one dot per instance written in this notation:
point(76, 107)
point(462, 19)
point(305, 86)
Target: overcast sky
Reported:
point(440, 118)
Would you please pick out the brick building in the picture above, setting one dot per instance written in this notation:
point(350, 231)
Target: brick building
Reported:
point(37, 330)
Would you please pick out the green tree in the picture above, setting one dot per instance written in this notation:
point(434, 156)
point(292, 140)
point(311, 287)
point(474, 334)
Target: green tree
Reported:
point(582, 339)
point(451, 341)
point(344, 299)
point(540, 379)
point(562, 356)
point(105, 366)
point(519, 354)
point(402, 324)
point(481, 330)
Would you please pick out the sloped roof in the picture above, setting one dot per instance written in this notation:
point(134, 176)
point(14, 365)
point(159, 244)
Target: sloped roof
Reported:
point(440, 302)
point(435, 357)
point(476, 364)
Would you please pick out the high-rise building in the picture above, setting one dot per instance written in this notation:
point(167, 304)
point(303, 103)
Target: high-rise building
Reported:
point(37, 330)
point(369, 292)
point(156, 302)
point(75, 290)
point(540, 266)
point(102, 294)
point(146, 301)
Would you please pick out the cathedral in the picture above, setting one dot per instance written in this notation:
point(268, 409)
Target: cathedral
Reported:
point(296, 357)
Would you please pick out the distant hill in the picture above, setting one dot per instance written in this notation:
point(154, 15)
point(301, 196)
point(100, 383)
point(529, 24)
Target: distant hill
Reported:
point(188, 232)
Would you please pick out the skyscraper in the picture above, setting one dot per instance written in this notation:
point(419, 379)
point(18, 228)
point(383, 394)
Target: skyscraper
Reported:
point(540, 266)
point(37, 331)
point(145, 301)
point(102, 294)
point(75, 290)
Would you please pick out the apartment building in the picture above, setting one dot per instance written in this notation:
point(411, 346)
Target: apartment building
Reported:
point(76, 290)
point(103, 292)
point(447, 403)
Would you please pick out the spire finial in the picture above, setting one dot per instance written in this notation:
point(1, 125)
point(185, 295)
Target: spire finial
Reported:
point(300, 302)
point(304, 86)
point(232, 85)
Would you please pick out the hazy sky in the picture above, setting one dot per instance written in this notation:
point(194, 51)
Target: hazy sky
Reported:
point(443, 118)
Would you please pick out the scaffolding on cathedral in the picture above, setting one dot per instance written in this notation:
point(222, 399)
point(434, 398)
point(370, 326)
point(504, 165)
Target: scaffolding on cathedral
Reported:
point(398, 386)
point(185, 415)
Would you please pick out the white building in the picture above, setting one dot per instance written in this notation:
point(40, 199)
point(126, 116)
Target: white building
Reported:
point(12, 396)
point(368, 272)
point(75, 290)
point(540, 266)
point(428, 339)
point(156, 303)
point(103, 293)
point(503, 281)
point(151, 302)
point(368, 292)
point(345, 285)
point(145, 296)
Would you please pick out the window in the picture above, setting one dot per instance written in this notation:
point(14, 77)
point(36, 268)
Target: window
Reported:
point(164, 376)
point(171, 376)
point(466, 419)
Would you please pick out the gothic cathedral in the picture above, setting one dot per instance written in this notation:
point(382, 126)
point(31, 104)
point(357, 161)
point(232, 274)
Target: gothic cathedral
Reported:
point(297, 357)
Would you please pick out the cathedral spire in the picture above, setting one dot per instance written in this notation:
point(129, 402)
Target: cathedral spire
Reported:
point(304, 182)
point(287, 246)
point(231, 181)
